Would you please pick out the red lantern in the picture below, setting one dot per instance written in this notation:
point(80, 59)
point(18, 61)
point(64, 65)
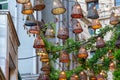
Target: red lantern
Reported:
point(77, 27)
point(82, 53)
point(38, 42)
point(64, 57)
point(77, 11)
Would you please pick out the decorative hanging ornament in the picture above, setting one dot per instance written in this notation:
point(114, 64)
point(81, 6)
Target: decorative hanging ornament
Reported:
point(22, 1)
point(77, 11)
point(110, 55)
point(74, 77)
point(50, 32)
point(45, 67)
point(58, 7)
point(40, 51)
point(64, 57)
point(44, 57)
point(76, 27)
point(100, 43)
point(62, 76)
point(63, 32)
point(38, 43)
point(82, 53)
point(96, 24)
point(117, 44)
point(27, 8)
point(30, 20)
point(100, 77)
point(112, 66)
point(39, 5)
point(114, 19)
point(92, 12)
point(34, 29)
point(83, 75)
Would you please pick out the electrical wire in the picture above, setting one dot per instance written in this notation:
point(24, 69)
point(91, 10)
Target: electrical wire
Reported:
point(27, 57)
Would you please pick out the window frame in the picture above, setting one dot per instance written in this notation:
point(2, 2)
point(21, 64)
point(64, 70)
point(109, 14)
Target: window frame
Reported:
point(2, 3)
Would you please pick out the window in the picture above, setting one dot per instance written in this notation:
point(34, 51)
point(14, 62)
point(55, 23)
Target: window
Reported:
point(92, 3)
point(117, 2)
point(4, 4)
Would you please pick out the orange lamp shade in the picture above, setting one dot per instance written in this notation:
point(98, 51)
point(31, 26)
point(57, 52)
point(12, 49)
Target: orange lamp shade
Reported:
point(96, 24)
point(82, 53)
point(27, 8)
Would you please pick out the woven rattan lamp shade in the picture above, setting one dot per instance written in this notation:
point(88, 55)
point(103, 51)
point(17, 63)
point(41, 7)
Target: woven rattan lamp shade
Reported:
point(39, 5)
point(22, 1)
point(58, 7)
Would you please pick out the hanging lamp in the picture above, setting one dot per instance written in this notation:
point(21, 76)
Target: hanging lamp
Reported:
point(110, 55)
point(100, 42)
point(30, 20)
point(38, 42)
point(64, 57)
point(39, 5)
point(50, 33)
point(77, 11)
point(34, 30)
point(27, 8)
point(114, 19)
point(74, 77)
point(62, 75)
point(45, 67)
point(83, 75)
point(92, 12)
point(112, 66)
point(117, 44)
point(77, 27)
point(82, 53)
point(58, 7)
point(44, 57)
point(22, 1)
point(96, 24)
point(63, 32)
point(40, 51)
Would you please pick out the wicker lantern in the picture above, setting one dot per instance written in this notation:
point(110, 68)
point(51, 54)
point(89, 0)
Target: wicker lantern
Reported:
point(64, 57)
point(114, 19)
point(74, 77)
point(82, 53)
point(110, 55)
point(38, 43)
point(62, 76)
point(45, 67)
point(40, 51)
point(92, 12)
point(58, 7)
point(77, 11)
point(39, 5)
point(44, 57)
point(77, 27)
point(63, 33)
point(30, 20)
point(96, 24)
point(100, 43)
point(112, 66)
point(83, 75)
point(22, 1)
point(50, 33)
point(117, 44)
point(100, 77)
point(27, 8)
point(34, 29)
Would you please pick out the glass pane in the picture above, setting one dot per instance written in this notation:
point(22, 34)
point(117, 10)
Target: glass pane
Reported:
point(2, 0)
point(117, 3)
point(5, 6)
